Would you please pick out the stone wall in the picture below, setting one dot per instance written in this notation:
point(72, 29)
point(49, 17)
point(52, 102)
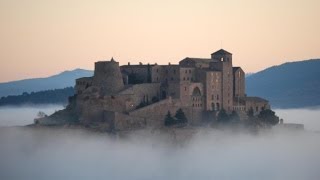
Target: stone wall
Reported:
point(82, 84)
point(187, 74)
point(213, 90)
point(142, 93)
point(227, 86)
point(239, 83)
point(137, 73)
point(257, 104)
point(155, 114)
point(126, 122)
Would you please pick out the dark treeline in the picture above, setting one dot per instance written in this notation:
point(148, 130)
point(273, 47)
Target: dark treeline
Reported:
point(56, 96)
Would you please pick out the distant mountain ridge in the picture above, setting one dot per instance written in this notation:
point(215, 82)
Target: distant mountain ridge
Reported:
point(290, 85)
point(59, 81)
point(56, 96)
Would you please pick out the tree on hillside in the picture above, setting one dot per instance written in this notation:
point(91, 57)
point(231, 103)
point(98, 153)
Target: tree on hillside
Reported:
point(180, 116)
point(169, 120)
point(250, 113)
point(234, 116)
point(268, 117)
point(223, 116)
point(41, 114)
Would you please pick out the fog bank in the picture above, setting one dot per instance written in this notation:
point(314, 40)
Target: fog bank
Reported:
point(310, 117)
point(24, 115)
point(28, 153)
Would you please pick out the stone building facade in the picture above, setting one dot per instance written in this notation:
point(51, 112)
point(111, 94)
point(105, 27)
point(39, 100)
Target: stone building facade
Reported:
point(141, 95)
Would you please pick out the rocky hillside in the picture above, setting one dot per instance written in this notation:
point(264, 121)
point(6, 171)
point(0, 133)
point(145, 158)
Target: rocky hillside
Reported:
point(290, 85)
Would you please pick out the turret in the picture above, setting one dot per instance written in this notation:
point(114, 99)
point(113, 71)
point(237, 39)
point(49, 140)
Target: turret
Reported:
point(108, 77)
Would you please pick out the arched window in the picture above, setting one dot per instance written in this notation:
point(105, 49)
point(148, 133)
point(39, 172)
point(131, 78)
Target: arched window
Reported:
point(196, 92)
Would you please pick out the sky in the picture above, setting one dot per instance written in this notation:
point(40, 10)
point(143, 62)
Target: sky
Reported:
point(39, 38)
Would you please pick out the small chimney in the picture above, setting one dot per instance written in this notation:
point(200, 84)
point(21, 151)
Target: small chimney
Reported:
point(140, 63)
point(128, 63)
point(169, 63)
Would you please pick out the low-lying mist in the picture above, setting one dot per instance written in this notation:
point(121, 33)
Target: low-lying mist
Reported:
point(47, 153)
point(24, 115)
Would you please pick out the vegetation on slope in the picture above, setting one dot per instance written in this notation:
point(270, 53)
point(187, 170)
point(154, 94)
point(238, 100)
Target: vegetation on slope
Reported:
point(56, 96)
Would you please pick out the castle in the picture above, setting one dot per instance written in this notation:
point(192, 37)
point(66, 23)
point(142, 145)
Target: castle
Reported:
point(136, 96)
point(133, 96)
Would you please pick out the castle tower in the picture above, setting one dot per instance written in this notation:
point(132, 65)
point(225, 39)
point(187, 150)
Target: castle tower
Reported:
point(225, 58)
point(222, 55)
point(107, 75)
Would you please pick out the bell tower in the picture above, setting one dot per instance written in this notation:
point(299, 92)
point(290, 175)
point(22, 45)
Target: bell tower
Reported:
point(222, 56)
point(225, 58)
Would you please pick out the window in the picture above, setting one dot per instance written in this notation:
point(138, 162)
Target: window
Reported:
point(172, 79)
point(184, 78)
point(167, 71)
point(157, 70)
point(190, 71)
point(186, 71)
point(185, 88)
point(188, 78)
point(217, 96)
point(174, 71)
point(212, 97)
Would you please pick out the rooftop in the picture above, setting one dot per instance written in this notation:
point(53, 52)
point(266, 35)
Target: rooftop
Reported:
point(221, 52)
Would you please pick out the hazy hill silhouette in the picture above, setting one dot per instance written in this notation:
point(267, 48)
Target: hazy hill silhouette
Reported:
point(56, 96)
point(59, 81)
point(290, 85)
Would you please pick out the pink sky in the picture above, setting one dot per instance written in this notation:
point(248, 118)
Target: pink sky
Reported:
point(42, 37)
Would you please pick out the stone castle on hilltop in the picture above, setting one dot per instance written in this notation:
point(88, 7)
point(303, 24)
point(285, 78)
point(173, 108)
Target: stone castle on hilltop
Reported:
point(135, 96)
